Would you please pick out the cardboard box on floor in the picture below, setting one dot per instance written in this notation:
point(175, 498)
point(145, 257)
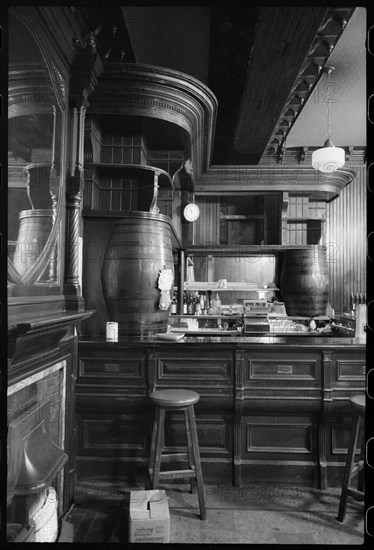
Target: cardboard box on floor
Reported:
point(149, 518)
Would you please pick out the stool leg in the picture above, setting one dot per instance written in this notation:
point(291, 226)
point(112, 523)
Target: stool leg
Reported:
point(158, 450)
point(361, 474)
point(191, 461)
point(196, 453)
point(151, 460)
point(348, 466)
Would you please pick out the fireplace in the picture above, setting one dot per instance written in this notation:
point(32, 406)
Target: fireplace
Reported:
point(36, 431)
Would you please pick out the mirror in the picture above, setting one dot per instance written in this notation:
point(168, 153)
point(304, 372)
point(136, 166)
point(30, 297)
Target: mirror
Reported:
point(34, 123)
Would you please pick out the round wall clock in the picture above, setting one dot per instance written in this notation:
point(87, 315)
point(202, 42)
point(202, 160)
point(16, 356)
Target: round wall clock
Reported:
point(191, 212)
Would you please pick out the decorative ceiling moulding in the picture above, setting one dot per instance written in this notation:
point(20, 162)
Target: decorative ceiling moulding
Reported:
point(354, 156)
point(244, 179)
point(310, 72)
point(160, 93)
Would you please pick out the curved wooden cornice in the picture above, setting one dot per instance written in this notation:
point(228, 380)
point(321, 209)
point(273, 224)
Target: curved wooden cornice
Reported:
point(41, 32)
point(242, 179)
point(29, 90)
point(157, 92)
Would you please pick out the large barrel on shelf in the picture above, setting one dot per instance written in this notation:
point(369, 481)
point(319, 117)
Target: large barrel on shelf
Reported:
point(304, 281)
point(138, 249)
point(34, 229)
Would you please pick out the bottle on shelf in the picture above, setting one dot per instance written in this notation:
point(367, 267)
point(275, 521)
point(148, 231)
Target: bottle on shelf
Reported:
point(185, 303)
point(218, 305)
point(191, 305)
point(353, 305)
point(173, 308)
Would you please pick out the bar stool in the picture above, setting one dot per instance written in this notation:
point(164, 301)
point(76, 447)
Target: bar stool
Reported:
point(351, 468)
point(176, 400)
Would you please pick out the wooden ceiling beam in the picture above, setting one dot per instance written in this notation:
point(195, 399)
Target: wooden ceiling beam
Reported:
point(291, 47)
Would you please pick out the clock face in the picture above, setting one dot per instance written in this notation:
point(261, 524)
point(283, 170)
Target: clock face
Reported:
point(191, 212)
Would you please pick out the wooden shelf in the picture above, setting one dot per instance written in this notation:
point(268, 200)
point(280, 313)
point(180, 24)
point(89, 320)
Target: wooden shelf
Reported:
point(204, 317)
point(304, 220)
point(204, 286)
point(132, 170)
point(242, 250)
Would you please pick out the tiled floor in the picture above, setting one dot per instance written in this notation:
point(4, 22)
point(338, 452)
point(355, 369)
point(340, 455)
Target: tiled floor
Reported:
point(254, 513)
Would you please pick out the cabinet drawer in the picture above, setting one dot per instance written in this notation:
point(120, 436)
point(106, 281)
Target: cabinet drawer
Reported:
point(204, 370)
point(282, 370)
point(111, 370)
point(350, 369)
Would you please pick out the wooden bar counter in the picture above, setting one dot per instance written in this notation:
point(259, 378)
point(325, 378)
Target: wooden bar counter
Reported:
point(272, 409)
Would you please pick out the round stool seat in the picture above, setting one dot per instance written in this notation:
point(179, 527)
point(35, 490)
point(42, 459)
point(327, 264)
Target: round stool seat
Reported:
point(174, 398)
point(358, 403)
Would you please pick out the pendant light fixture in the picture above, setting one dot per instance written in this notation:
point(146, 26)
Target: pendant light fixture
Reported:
point(329, 158)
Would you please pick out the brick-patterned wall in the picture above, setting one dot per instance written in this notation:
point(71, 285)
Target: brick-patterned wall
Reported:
point(47, 388)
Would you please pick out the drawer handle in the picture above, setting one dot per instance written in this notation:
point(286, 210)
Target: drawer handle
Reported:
point(111, 367)
point(285, 369)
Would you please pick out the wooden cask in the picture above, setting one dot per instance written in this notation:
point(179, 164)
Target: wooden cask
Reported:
point(304, 281)
point(34, 230)
point(139, 248)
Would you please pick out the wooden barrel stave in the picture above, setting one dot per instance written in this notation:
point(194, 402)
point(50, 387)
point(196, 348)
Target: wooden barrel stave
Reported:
point(34, 230)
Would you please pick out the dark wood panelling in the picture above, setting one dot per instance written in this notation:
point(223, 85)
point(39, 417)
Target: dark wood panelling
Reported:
point(113, 432)
point(346, 242)
point(269, 413)
point(283, 436)
point(214, 435)
point(351, 370)
point(207, 226)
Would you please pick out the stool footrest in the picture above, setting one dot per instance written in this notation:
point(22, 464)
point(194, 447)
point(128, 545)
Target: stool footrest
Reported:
point(174, 474)
point(171, 457)
point(359, 495)
point(178, 473)
point(357, 468)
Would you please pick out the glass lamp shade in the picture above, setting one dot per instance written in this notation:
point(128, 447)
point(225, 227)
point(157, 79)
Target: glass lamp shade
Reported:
point(329, 158)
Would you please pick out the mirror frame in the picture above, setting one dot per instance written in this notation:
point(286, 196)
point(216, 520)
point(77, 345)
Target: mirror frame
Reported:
point(47, 99)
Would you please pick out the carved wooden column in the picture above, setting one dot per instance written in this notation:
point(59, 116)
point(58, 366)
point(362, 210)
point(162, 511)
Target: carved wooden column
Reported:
point(86, 70)
point(152, 361)
point(323, 428)
point(238, 402)
point(73, 201)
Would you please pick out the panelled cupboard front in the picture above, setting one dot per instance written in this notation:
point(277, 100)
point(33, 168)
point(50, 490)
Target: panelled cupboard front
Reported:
point(276, 412)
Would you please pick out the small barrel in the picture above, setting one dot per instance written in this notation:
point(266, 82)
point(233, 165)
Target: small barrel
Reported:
point(139, 248)
point(34, 230)
point(304, 281)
